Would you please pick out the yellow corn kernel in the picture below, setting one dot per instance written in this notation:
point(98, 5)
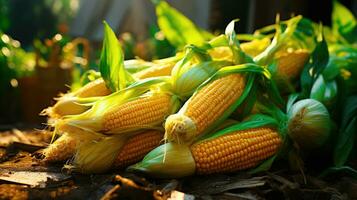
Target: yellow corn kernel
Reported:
point(291, 64)
point(144, 112)
point(62, 149)
point(212, 100)
point(137, 147)
point(236, 151)
point(95, 88)
point(221, 53)
point(255, 47)
point(204, 108)
point(154, 71)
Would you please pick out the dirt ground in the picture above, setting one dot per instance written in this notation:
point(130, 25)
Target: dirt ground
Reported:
point(24, 176)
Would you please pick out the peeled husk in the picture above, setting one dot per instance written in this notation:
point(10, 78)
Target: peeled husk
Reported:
point(169, 160)
point(309, 123)
point(66, 105)
point(95, 153)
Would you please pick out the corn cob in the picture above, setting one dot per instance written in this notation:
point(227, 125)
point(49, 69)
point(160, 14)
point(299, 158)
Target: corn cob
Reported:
point(204, 108)
point(85, 147)
point(236, 151)
point(137, 147)
point(154, 71)
point(126, 112)
point(290, 64)
point(93, 89)
point(62, 149)
point(233, 151)
point(143, 112)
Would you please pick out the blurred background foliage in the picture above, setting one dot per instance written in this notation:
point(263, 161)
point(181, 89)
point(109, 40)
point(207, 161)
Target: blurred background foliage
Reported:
point(39, 52)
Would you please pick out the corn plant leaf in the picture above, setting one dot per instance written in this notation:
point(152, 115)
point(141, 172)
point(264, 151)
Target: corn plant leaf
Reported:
point(315, 67)
point(344, 23)
point(320, 57)
point(332, 69)
point(111, 64)
point(323, 91)
point(304, 34)
point(348, 130)
point(177, 28)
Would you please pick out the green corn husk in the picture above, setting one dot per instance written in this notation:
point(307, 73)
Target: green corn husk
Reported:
point(169, 160)
point(309, 123)
point(111, 63)
point(186, 80)
point(324, 91)
point(188, 74)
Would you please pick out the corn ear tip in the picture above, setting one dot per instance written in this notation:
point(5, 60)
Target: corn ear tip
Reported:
point(169, 160)
point(179, 128)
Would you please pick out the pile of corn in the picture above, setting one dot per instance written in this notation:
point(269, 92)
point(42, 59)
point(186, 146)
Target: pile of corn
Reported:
point(217, 106)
